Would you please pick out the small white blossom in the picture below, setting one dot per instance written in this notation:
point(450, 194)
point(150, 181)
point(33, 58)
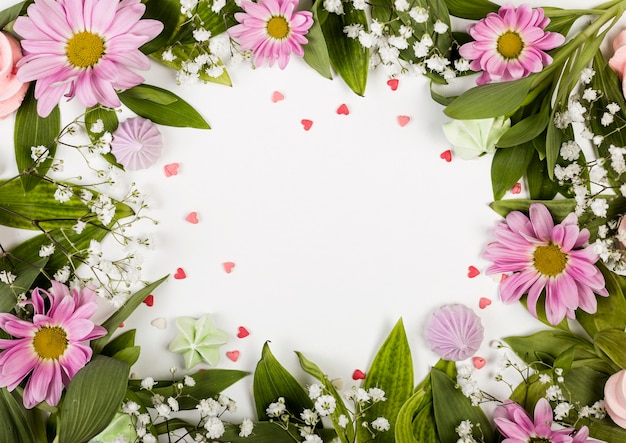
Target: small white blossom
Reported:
point(607, 119)
point(46, 250)
point(62, 274)
point(419, 14)
point(570, 150)
point(380, 424)
point(333, 6)
point(402, 5)
point(440, 27)
point(39, 153)
point(599, 206)
point(359, 4)
point(246, 427)
point(315, 390)
point(168, 56)
point(613, 108)
point(189, 381)
point(148, 383)
point(63, 193)
point(7, 277)
point(590, 94)
point(586, 75)
point(214, 427)
point(325, 405)
point(276, 409)
point(97, 127)
point(201, 34)
point(562, 410)
point(353, 30)
point(343, 421)
point(218, 5)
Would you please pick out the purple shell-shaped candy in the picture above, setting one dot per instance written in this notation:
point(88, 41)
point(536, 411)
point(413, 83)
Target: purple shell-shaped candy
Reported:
point(137, 143)
point(454, 332)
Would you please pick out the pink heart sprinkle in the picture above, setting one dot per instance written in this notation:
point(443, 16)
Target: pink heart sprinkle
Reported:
point(233, 355)
point(306, 124)
point(403, 120)
point(484, 302)
point(472, 272)
point(503, 277)
point(277, 96)
point(149, 300)
point(393, 83)
point(343, 110)
point(171, 169)
point(228, 266)
point(243, 332)
point(180, 274)
point(192, 218)
point(446, 155)
point(517, 188)
point(358, 375)
point(479, 362)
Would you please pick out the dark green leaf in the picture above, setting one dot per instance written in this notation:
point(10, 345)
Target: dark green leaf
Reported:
point(508, 166)
point(416, 419)
point(92, 398)
point(162, 107)
point(112, 323)
point(391, 371)
point(558, 208)
point(26, 274)
point(471, 9)
point(545, 345)
point(108, 117)
point(271, 381)
point(316, 51)
point(540, 187)
point(16, 426)
point(612, 343)
point(524, 131)
point(31, 130)
point(347, 56)
point(11, 13)
point(168, 13)
point(490, 100)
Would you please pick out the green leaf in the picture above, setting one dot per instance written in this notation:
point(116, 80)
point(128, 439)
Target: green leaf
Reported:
point(540, 187)
point(16, 426)
point(490, 100)
point(612, 343)
point(168, 13)
point(391, 371)
point(162, 107)
point(271, 381)
point(524, 130)
point(11, 13)
point(209, 384)
point(508, 166)
point(112, 323)
point(451, 407)
point(26, 274)
point(545, 346)
point(189, 51)
point(416, 419)
point(108, 117)
point(471, 9)
point(316, 51)
point(347, 56)
point(553, 146)
point(31, 130)
point(558, 208)
point(92, 398)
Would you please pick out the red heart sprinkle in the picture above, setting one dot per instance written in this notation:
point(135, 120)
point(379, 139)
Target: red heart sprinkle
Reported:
point(233, 355)
point(192, 218)
point(343, 110)
point(517, 188)
point(503, 277)
point(403, 120)
point(277, 96)
point(149, 300)
point(472, 272)
point(121, 325)
point(393, 83)
point(180, 274)
point(306, 124)
point(228, 266)
point(479, 362)
point(171, 169)
point(484, 302)
point(243, 332)
point(358, 375)
point(446, 155)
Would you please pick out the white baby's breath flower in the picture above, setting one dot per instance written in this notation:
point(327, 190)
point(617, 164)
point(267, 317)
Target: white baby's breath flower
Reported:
point(215, 427)
point(333, 6)
point(315, 390)
point(7, 277)
point(63, 193)
point(419, 14)
point(246, 427)
point(570, 150)
point(46, 250)
point(62, 274)
point(276, 409)
point(381, 424)
point(402, 5)
point(440, 27)
point(325, 405)
point(201, 34)
point(39, 153)
point(353, 30)
point(148, 383)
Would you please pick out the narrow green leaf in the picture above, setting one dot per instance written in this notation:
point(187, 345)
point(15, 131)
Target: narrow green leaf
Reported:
point(26, 274)
point(128, 355)
point(416, 419)
point(471, 9)
point(16, 427)
point(451, 407)
point(553, 146)
point(112, 323)
point(12, 12)
point(540, 187)
point(612, 343)
point(545, 345)
point(92, 398)
point(122, 341)
point(508, 166)
point(347, 56)
point(525, 130)
point(490, 100)
point(316, 51)
point(558, 208)
point(271, 381)
point(391, 371)
point(168, 13)
point(162, 107)
point(209, 384)
point(31, 130)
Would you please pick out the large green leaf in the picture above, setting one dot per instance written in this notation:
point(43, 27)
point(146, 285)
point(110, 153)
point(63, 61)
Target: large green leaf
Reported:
point(490, 100)
point(416, 419)
point(540, 187)
point(451, 407)
point(508, 166)
point(271, 381)
point(316, 51)
point(546, 345)
point(612, 343)
point(471, 9)
point(347, 56)
point(26, 274)
point(16, 427)
point(92, 398)
point(168, 13)
point(162, 107)
point(32, 130)
point(391, 371)
point(558, 208)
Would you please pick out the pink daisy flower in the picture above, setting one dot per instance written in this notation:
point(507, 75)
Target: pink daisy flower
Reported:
point(454, 332)
point(271, 30)
point(517, 426)
point(510, 45)
point(137, 143)
point(83, 48)
point(50, 348)
point(541, 255)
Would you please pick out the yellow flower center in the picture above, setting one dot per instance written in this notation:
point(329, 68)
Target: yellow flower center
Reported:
point(85, 49)
point(549, 260)
point(510, 45)
point(50, 342)
point(278, 27)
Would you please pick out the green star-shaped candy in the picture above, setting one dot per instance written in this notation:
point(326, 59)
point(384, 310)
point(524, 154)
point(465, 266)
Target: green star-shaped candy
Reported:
point(198, 340)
